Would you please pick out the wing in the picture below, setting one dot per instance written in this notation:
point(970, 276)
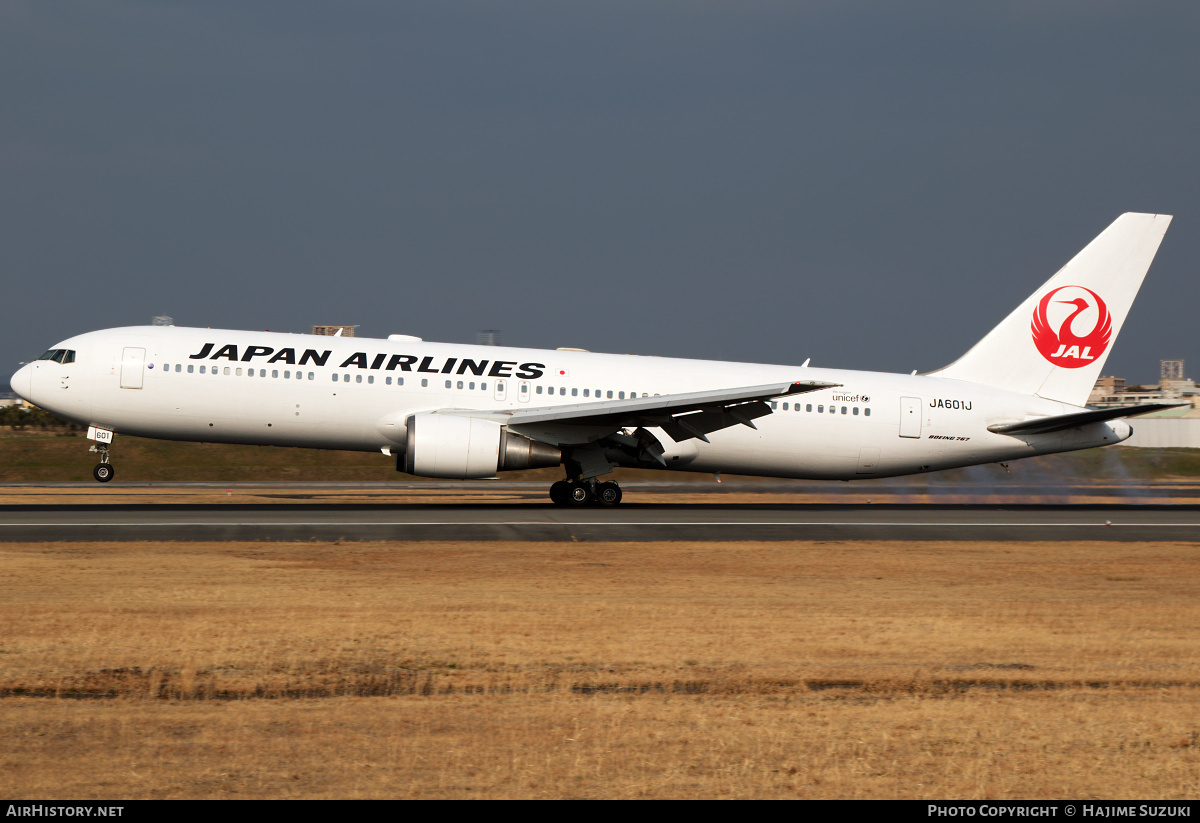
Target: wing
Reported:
point(681, 416)
point(1061, 422)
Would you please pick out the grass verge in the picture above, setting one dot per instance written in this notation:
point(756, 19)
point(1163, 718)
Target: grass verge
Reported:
point(985, 670)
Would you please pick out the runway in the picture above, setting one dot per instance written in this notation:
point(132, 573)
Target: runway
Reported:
point(634, 522)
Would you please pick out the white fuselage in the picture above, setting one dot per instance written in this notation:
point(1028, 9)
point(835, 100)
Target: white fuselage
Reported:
point(355, 394)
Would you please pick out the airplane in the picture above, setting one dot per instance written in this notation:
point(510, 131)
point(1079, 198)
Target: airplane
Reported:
point(446, 410)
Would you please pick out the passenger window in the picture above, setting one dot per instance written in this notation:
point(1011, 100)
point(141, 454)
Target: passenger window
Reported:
point(287, 375)
point(785, 406)
point(202, 370)
point(177, 368)
point(843, 409)
point(620, 395)
point(226, 370)
point(447, 384)
point(335, 378)
point(585, 392)
point(345, 378)
point(549, 390)
point(808, 407)
point(856, 411)
point(483, 386)
point(538, 389)
point(370, 378)
point(387, 381)
point(238, 372)
point(866, 412)
point(610, 394)
point(471, 386)
point(562, 390)
point(190, 367)
point(460, 384)
point(311, 376)
point(774, 405)
point(820, 409)
point(274, 372)
point(574, 392)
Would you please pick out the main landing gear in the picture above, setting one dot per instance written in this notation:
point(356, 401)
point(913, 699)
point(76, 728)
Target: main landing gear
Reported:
point(585, 493)
point(104, 470)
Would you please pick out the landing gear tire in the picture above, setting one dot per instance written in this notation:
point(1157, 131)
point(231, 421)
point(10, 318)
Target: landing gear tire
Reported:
point(103, 472)
point(580, 494)
point(559, 492)
point(608, 493)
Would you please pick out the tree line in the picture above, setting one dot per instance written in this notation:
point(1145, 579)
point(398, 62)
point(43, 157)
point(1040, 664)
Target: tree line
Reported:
point(33, 418)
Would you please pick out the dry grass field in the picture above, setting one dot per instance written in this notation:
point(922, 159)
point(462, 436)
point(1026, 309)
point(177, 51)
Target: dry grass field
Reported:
point(885, 670)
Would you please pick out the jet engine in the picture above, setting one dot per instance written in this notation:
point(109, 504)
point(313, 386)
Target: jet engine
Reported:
point(447, 445)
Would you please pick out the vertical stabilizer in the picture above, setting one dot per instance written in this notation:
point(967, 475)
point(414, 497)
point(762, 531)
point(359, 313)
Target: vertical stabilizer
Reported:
point(1055, 343)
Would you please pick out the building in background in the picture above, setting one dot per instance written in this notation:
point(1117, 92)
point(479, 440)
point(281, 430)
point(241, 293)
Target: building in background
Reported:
point(1171, 428)
point(488, 337)
point(1172, 386)
point(162, 320)
point(1172, 380)
point(332, 331)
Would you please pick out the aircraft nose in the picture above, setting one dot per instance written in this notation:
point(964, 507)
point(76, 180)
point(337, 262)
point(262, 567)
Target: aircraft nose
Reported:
point(21, 381)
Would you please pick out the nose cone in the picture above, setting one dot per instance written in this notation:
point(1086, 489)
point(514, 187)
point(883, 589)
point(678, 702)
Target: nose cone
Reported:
point(22, 380)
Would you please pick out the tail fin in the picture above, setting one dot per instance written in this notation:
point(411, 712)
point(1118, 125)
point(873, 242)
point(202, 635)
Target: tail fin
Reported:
point(1055, 343)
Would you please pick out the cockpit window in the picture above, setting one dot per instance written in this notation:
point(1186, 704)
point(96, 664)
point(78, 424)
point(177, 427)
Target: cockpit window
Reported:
point(68, 356)
point(59, 356)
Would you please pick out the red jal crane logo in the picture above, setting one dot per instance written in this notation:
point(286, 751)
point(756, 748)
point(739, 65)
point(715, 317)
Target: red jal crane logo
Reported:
point(1062, 346)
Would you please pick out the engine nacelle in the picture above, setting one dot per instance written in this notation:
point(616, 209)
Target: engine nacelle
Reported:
point(446, 445)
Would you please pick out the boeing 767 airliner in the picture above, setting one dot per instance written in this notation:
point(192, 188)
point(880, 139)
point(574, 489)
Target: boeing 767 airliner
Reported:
point(458, 411)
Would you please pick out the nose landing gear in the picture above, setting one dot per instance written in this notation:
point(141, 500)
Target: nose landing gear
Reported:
point(104, 471)
point(585, 493)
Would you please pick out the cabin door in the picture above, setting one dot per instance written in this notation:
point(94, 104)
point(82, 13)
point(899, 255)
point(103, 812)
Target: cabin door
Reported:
point(133, 361)
point(910, 417)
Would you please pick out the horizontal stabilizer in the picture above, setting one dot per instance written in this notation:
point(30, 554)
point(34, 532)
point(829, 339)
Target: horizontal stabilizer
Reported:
point(1061, 422)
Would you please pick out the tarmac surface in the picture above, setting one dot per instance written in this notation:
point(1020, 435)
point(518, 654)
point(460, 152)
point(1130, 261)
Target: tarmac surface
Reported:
point(295, 516)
